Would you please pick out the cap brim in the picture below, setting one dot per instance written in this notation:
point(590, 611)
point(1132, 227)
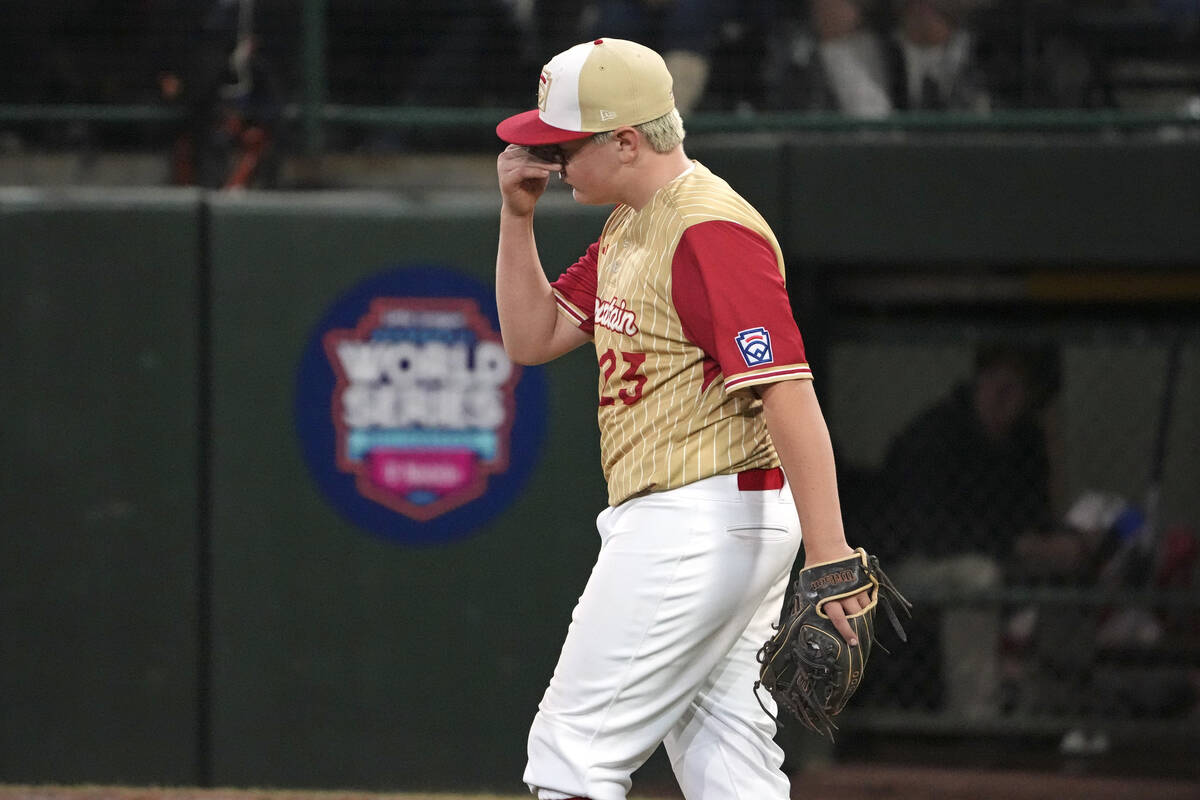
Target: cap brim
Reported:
point(527, 128)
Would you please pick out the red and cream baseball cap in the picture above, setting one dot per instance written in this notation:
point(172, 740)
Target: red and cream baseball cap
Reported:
point(593, 87)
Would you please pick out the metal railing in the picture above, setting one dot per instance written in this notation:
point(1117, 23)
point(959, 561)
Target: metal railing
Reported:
point(310, 109)
point(313, 118)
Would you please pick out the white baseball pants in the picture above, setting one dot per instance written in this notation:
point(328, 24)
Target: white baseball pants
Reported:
point(662, 648)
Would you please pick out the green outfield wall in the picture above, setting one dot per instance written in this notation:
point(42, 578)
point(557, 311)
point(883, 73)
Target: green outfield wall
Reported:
point(180, 599)
point(340, 657)
point(98, 603)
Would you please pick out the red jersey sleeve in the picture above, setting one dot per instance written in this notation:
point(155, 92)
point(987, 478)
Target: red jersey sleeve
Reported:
point(730, 295)
point(575, 289)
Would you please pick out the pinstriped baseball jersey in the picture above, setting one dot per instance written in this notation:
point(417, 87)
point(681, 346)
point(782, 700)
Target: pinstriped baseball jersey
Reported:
point(686, 303)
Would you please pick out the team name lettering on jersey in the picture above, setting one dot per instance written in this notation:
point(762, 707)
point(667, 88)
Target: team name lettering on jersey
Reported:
point(613, 314)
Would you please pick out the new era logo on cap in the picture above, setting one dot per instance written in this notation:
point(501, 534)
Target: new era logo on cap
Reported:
point(593, 87)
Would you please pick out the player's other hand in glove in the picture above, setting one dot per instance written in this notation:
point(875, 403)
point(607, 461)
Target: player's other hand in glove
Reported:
point(839, 610)
point(815, 662)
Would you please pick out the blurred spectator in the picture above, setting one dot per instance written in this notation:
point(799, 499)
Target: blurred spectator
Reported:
point(933, 57)
point(972, 472)
point(960, 485)
point(852, 57)
point(232, 103)
point(689, 34)
point(1141, 54)
point(865, 59)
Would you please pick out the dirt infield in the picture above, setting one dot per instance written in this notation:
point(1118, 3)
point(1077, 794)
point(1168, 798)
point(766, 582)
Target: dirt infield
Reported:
point(871, 782)
point(844, 782)
point(161, 793)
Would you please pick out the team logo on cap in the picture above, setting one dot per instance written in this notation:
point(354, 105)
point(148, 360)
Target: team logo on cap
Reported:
point(755, 344)
point(543, 90)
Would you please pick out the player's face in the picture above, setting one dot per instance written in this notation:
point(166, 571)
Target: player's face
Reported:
point(587, 168)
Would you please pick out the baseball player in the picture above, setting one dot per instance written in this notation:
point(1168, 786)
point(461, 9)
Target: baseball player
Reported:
point(705, 404)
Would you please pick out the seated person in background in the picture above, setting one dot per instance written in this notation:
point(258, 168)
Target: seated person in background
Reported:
point(932, 54)
point(962, 483)
point(829, 55)
point(970, 473)
point(866, 58)
point(852, 57)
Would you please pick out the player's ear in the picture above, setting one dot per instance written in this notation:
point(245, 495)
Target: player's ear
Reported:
point(629, 141)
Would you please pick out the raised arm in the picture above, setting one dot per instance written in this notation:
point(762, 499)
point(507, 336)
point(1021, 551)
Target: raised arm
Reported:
point(533, 329)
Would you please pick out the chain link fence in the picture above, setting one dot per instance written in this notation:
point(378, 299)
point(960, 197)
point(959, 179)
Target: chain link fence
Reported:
point(121, 71)
point(1033, 487)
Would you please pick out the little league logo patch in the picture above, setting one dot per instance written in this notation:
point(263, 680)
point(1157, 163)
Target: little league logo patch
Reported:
point(415, 422)
point(755, 344)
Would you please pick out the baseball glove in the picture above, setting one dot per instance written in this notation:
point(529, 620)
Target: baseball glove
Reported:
point(806, 666)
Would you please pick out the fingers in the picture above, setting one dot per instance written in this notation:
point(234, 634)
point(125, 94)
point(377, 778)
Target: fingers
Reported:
point(523, 178)
point(518, 164)
point(839, 610)
point(858, 602)
point(833, 610)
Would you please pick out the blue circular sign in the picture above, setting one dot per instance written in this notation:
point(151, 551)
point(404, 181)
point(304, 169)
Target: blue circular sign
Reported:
point(413, 421)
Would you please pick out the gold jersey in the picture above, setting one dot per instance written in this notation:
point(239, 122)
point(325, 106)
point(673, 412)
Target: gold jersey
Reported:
point(686, 303)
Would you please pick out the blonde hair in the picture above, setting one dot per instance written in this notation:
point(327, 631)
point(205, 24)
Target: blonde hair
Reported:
point(663, 134)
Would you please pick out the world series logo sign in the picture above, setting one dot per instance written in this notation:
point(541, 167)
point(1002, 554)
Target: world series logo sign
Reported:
point(423, 403)
point(414, 421)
